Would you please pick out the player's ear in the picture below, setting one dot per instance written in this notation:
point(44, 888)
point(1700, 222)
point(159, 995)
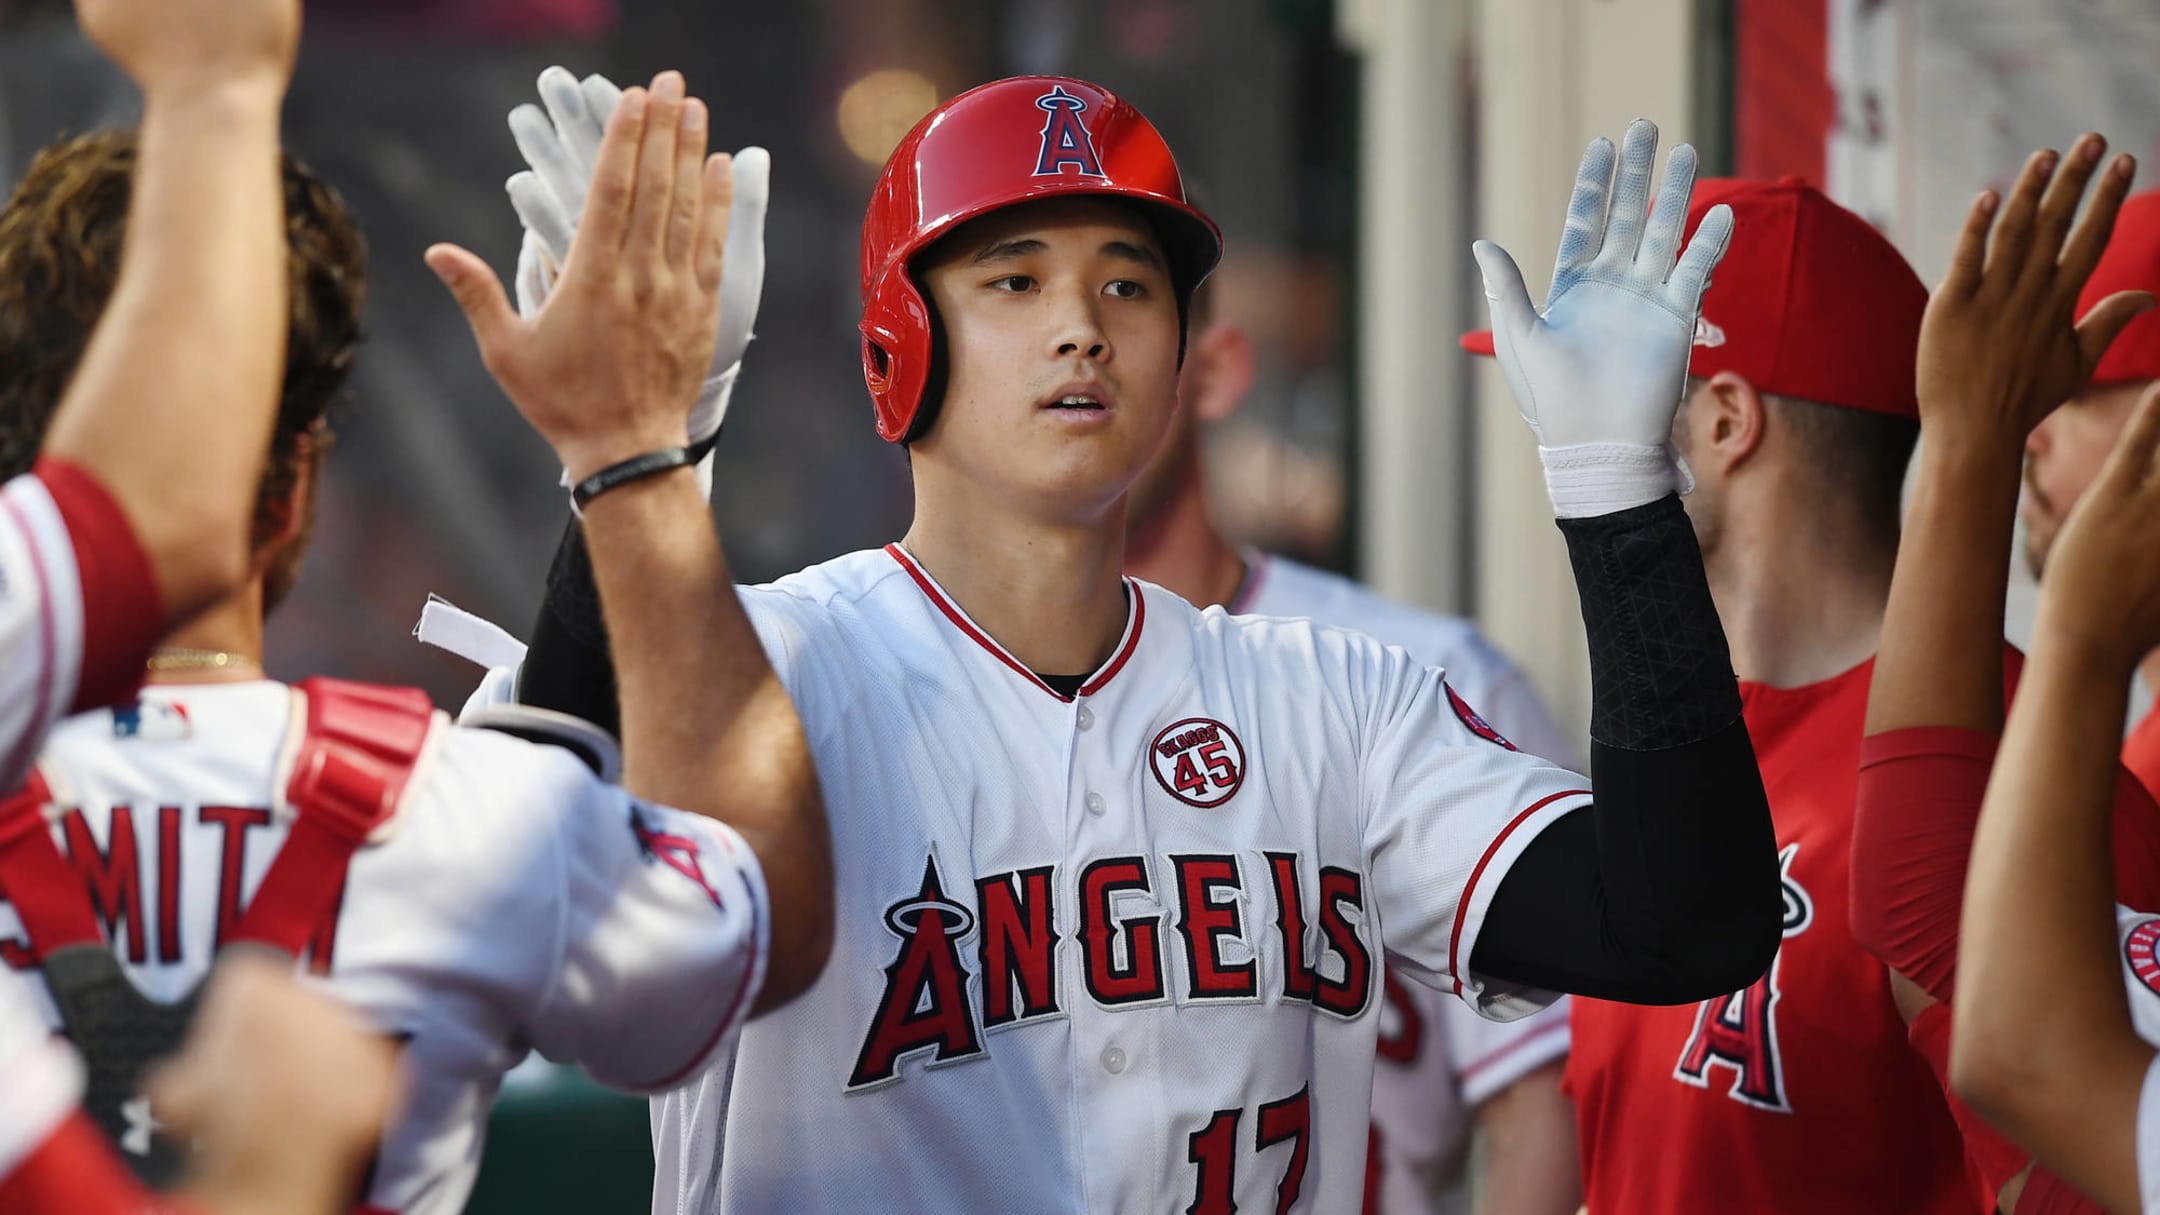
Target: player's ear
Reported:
point(1219, 370)
point(1728, 421)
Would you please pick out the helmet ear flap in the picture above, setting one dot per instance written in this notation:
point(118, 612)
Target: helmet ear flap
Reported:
point(896, 353)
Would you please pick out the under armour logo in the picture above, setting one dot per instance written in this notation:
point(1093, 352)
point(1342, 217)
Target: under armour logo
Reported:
point(1065, 141)
point(142, 1127)
point(1707, 334)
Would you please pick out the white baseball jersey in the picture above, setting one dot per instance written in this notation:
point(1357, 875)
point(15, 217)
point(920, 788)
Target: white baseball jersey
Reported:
point(1438, 1061)
point(515, 902)
point(1108, 952)
point(42, 1078)
point(2139, 934)
point(78, 609)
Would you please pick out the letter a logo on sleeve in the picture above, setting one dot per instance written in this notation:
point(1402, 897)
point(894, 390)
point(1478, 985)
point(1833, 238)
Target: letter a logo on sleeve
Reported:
point(1064, 140)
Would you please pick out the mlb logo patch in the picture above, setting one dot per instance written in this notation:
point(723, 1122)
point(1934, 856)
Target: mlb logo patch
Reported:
point(153, 721)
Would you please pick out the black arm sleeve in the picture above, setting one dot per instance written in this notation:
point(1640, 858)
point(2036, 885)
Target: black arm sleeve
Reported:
point(567, 667)
point(1666, 891)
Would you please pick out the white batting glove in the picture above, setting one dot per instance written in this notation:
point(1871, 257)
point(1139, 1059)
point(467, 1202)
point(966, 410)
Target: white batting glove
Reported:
point(560, 146)
point(1600, 373)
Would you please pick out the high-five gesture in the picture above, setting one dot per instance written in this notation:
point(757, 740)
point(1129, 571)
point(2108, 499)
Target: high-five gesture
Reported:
point(1599, 374)
point(560, 145)
point(607, 370)
point(2002, 344)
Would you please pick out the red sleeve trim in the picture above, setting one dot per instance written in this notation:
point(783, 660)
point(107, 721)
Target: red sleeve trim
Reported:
point(76, 1172)
point(1539, 1037)
point(1456, 960)
point(2047, 1194)
point(736, 1006)
point(122, 615)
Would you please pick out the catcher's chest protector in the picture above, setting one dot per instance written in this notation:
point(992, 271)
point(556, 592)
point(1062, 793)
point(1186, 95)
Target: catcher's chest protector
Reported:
point(350, 767)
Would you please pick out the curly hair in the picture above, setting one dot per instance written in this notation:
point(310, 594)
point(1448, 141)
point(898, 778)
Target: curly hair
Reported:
point(61, 236)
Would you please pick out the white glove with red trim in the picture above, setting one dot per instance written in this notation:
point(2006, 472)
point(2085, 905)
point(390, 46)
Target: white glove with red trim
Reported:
point(560, 146)
point(1600, 373)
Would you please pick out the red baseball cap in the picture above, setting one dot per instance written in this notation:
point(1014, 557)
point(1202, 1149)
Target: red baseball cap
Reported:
point(2131, 263)
point(1810, 301)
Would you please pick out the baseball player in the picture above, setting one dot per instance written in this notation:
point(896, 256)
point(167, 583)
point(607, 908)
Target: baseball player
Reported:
point(1115, 874)
point(2046, 1046)
point(474, 895)
point(131, 515)
point(282, 1091)
point(1797, 1091)
point(2000, 348)
point(2066, 449)
point(1441, 1066)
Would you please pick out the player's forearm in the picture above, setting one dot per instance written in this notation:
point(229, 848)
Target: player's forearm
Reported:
point(706, 725)
point(2044, 1045)
point(1666, 890)
point(1940, 661)
point(1527, 1160)
point(172, 405)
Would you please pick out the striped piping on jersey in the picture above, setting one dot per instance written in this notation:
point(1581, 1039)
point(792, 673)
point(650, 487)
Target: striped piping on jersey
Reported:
point(18, 760)
point(1108, 671)
point(1536, 1036)
point(1456, 961)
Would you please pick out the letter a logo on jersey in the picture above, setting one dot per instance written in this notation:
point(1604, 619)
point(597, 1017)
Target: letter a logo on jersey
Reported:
point(1065, 141)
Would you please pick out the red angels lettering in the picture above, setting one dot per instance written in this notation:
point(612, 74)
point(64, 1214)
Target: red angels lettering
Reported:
point(1347, 996)
point(1018, 946)
point(1300, 979)
point(1402, 1024)
point(1739, 1031)
point(1204, 922)
point(113, 873)
point(1198, 761)
point(924, 1004)
point(1139, 979)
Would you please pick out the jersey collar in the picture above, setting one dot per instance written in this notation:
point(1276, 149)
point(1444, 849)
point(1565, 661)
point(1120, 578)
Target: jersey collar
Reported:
point(1135, 616)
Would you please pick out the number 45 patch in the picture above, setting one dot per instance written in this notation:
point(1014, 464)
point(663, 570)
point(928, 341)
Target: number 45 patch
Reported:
point(1198, 761)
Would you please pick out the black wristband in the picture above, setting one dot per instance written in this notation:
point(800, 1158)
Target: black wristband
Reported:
point(636, 468)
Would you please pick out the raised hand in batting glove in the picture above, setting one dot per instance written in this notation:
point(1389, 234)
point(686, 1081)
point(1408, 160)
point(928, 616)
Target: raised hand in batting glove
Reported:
point(560, 146)
point(1600, 372)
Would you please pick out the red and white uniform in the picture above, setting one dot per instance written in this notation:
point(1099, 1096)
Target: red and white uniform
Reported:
point(1801, 1093)
point(1111, 952)
point(78, 606)
point(2139, 936)
point(514, 902)
point(1438, 1060)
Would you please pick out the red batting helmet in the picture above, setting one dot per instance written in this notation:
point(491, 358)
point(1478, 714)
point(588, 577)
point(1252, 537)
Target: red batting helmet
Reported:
point(1006, 142)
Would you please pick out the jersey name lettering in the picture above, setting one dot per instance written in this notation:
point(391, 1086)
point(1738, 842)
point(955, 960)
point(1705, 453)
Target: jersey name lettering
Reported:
point(1125, 958)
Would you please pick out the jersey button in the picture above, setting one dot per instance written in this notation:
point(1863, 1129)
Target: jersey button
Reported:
point(1113, 1060)
point(1085, 718)
point(1095, 804)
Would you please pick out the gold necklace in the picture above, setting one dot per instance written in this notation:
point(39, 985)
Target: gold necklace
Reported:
point(181, 658)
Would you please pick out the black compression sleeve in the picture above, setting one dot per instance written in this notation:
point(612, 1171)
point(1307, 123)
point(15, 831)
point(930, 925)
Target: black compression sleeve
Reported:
point(568, 668)
point(1666, 891)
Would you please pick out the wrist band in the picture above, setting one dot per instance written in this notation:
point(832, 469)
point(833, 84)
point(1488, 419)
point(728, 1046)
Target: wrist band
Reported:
point(636, 468)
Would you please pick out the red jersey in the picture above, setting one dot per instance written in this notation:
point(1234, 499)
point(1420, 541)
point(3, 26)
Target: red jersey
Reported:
point(1800, 1093)
point(2141, 751)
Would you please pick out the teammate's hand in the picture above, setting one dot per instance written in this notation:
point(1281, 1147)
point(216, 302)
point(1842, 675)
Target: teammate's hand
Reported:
point(284, 1091)
point(609, 367)
point(560, 146)
point(2101, 592)
point(172, 46)
point(2001, 344)
point(1599, 374)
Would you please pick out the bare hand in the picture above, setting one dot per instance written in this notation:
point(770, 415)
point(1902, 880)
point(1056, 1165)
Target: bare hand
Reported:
point(2001, 345)
point(285, 1092)
point(2102, 587)
point(168, 45)
point(609, 368)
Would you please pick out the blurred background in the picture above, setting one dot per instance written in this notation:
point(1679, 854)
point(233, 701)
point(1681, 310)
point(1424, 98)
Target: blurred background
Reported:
point(1350, 149)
